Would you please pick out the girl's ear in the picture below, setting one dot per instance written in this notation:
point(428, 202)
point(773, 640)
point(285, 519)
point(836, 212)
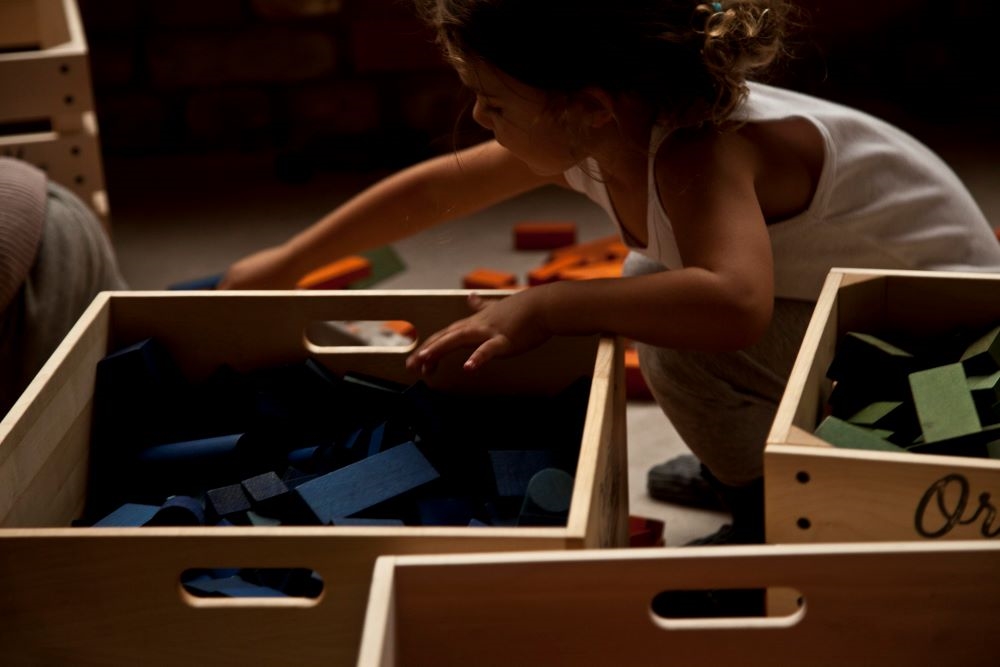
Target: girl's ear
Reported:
point(598, 106)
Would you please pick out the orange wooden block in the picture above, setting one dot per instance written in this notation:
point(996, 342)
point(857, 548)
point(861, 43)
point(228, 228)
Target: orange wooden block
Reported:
point(549, 272)
point(544, 235)
point(488, 279)
point(607, 247)
point(635, 384)
point(402, 327)
point(337, 275)
point(606, 269)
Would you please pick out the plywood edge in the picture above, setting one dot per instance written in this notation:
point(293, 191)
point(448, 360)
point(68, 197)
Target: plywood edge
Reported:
point(593, 439)
point(378, 637)
point(776, 451)
point(791, 401)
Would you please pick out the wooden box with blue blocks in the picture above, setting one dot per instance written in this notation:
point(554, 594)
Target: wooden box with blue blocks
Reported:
point(204, 477)
point(889, 428)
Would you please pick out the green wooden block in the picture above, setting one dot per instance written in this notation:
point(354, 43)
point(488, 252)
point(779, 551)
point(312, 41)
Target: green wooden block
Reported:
point(982, 357)
point(872, 365)
point(841, 433)
point(897, 417)
point(944, 403)
point(985, 394)
point(975, 444)
point(993, 450)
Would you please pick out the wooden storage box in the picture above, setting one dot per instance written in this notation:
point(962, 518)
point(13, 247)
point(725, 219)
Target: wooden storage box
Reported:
point(815, 492)
point(904, 603)
point(46, 100)
point(87, 596)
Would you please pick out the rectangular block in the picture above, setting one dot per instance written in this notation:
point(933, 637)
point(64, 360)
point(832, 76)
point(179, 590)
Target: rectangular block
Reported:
point(944, 403)
point(338, 274)
point(544, 235)
point(89, 592)
point(367, 483)
point(488, 279)
point(815, 492)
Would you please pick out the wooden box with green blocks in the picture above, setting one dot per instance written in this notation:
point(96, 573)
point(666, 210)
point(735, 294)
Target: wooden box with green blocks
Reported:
point(889, 428)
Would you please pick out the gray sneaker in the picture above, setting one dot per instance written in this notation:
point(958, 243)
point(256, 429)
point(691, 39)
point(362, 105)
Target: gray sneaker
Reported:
point(682, 481)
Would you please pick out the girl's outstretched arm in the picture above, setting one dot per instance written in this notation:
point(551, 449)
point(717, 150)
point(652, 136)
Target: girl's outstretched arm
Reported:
point(411, 200)
point(721, 299)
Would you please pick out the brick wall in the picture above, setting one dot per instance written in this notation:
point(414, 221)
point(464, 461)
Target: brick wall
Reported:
point(358, 83)
point(322, 83)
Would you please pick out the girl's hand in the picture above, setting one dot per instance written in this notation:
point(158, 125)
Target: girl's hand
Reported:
point(499, 328)
point(265, 269)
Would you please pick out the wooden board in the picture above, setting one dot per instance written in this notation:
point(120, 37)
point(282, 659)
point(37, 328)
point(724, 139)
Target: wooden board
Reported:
point(894, 603)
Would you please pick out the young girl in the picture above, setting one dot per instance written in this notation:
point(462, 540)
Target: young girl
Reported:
point(735, 197)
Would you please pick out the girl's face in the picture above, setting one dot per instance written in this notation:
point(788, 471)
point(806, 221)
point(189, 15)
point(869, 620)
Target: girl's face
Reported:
point(520, 119)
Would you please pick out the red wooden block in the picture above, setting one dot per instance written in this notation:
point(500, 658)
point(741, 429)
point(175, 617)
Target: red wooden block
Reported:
point(544, 235)
point(337, 275)
point(635, 384)
point(645, 532)
point(488, 279)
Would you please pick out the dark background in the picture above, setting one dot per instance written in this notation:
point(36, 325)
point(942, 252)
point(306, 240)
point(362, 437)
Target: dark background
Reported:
point(357, 84)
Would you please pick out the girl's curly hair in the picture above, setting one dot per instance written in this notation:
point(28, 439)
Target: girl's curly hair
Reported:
point(688, 60)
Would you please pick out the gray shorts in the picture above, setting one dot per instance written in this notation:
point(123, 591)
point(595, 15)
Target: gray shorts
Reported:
point(723, 403)
point(75, 261)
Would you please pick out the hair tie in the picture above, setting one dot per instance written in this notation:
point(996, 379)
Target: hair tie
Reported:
point(717, 6)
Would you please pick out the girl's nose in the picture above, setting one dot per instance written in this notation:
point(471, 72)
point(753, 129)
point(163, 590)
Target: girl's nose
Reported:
point(481, 116)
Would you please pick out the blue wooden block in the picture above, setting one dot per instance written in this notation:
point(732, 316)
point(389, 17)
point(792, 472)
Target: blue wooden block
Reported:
point(234, 587)
point(514, 468)
point(228, 503)
point(136, 388)
point(129, 515)
point(445, 511)
point(364, 521)
point(271, 497)
point(192, 466)
point(292, 581)
point(179, 511)
point(367, 483)
point(205, 282)
point(547, 499)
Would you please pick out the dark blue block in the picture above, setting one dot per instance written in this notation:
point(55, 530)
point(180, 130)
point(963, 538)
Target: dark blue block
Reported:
point(271, 497)
point(129, 515)
point(235, 587)
point(547, 500)
point(179, 511)
point(514, 468)
point(136, 393)
point(295, 582)
point(228, 503)
point(367, 483)
point(206, 282)
point(445, 511)
point(364, 521)
point(193, 466)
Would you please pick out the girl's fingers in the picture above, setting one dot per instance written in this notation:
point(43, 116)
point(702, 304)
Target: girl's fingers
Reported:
point(490, 349)
point(436, 346)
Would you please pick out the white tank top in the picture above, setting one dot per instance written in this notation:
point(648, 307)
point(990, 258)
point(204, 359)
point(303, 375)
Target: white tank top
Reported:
point(884, 200)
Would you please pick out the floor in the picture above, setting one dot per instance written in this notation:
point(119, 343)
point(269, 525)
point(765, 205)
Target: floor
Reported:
point(181, 218)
